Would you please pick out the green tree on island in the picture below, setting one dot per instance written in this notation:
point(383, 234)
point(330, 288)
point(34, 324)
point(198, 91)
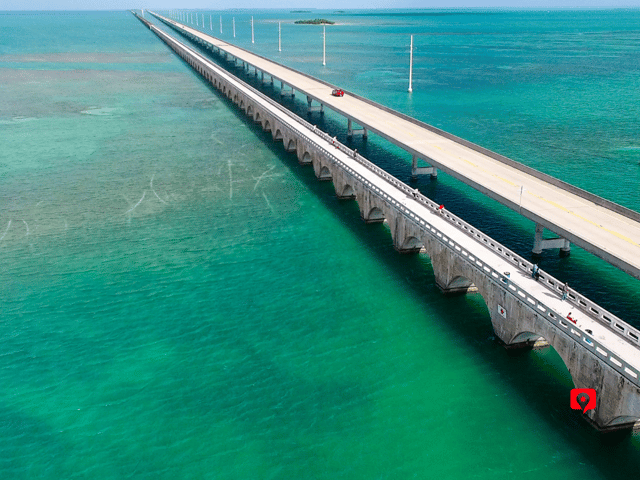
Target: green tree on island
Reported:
point(317, 21)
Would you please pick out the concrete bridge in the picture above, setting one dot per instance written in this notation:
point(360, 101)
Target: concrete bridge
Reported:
point(599, 349)
point(608, 230)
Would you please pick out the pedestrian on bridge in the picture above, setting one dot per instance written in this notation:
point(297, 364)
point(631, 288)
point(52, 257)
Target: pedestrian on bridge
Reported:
point(565, 290)
point(535, 271)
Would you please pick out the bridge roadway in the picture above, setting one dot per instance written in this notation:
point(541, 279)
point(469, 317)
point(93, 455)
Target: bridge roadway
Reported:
point(603, 228)
point(607, 339)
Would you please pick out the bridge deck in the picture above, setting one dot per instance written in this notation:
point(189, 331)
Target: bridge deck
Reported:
point(611, 236)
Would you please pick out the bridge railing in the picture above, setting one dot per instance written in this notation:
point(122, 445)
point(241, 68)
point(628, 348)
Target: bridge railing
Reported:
point(586, 340)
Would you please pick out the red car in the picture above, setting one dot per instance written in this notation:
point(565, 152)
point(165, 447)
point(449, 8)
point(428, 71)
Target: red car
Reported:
point(338, 92)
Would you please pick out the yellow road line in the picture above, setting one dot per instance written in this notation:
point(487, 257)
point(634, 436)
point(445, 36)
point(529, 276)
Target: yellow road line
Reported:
point(612, 232)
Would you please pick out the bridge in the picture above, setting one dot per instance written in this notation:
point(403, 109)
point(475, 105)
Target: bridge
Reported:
point(600, 350)
point(604, 228)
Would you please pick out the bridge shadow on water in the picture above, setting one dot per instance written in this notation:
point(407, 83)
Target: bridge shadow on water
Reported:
point(536, 379)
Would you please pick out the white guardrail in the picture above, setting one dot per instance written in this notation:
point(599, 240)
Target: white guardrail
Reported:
point(588, 307)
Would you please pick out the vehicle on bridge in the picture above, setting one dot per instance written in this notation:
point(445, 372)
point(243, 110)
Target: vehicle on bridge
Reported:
point(338, 92)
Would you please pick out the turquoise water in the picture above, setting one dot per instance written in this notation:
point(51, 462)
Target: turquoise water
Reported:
point(180, 299)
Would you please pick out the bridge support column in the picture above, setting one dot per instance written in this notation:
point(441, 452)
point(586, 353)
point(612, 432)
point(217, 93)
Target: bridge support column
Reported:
point(416, 170)
point(351, 131)
point(318, 108)
point(540, 244)
point(284, 93)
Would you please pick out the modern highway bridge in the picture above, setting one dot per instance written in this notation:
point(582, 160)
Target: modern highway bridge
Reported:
point(606, 229)
point(600, 350)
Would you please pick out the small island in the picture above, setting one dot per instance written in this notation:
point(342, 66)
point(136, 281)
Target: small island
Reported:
point(317, 21)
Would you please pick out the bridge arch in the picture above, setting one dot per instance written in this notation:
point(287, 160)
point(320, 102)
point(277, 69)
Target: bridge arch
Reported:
point(324, 174)
point(529, 338)
point(459, 284)
point(250, 110)
point(344, 191)
point(374, 215)
point(306, 158)
point(257, 116)
point(410, 244)
point(277, 135)
point(624, 420)
point(291, 145)
point(267, 126)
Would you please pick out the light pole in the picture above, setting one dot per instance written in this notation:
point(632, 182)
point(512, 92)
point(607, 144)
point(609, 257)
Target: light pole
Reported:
point(324, 45)
point(411, 65)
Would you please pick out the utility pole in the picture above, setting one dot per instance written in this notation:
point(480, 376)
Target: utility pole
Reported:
point(324, 45)
point(279, 38)
point(411, 65)
point(234, 27)
point(252, 38)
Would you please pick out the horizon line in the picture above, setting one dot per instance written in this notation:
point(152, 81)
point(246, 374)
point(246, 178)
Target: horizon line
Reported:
point(293, 10)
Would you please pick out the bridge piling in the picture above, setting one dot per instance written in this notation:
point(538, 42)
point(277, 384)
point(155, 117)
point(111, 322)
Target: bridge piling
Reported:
point(351, 131)
point(428, 170)
point(317, 108)
point(540, 244)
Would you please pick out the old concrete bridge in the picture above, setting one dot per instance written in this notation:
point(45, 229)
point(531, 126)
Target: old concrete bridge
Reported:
point(599, 349)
